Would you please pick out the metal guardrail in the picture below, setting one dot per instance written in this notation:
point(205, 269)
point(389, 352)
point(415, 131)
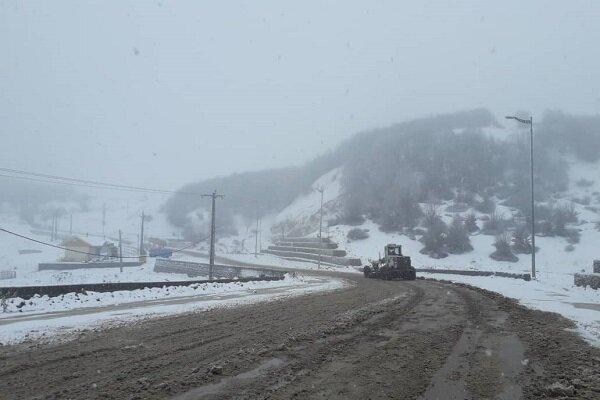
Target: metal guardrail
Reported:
point(219, 271)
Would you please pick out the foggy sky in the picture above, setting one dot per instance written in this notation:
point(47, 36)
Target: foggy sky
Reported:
point(162, 93)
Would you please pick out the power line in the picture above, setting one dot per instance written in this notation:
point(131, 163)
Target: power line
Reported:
point(47, 178)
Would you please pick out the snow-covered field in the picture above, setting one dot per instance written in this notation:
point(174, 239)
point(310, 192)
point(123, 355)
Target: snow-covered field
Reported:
point(59, 317)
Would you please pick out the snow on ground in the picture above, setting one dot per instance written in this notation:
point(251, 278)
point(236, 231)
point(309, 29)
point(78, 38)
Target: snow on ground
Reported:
point(59, 317)
point(310, 203)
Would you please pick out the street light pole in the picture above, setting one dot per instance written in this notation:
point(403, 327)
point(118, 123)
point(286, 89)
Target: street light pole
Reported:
point(530, 123)
point(320, 190)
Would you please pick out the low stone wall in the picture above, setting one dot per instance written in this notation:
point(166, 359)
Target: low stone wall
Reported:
point(585, 280)
point(219, 271)
point(525, 277)
point(309, 256)
point(26, 292)
point(65, 266)
point(325, 252)
point(306, 239)
point(312, 245)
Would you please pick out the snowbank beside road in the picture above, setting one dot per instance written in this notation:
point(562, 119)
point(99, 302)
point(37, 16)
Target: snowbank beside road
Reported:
point(44, 317)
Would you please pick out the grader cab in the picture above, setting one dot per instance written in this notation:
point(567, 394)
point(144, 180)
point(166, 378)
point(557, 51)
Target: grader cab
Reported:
point(392, 266)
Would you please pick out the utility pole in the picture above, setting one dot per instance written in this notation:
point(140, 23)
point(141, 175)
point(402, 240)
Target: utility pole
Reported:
point(52, 229)
point(142, 236)
point(120, 252)
point(530, 123)
point(103, 219)
point(532, 200)
point(71, 224)
point(211, 257)
point(256, 236)
point(260, 236)
point(320, 190)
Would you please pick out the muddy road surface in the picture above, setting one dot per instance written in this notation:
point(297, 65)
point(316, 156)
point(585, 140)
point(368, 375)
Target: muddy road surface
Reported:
point(372, 340)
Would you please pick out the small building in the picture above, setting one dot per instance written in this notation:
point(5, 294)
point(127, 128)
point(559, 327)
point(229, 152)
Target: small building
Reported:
point(79, 250)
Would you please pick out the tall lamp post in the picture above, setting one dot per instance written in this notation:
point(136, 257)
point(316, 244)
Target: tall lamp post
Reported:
point(320, 190)
point(530, 123)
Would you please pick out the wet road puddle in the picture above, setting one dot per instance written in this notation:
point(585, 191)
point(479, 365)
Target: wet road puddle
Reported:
point(215, 388)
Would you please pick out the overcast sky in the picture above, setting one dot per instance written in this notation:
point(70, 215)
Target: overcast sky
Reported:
point(161, 93)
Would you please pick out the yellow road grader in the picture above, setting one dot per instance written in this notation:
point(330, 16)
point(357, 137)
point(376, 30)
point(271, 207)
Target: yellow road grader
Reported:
point(392, 266)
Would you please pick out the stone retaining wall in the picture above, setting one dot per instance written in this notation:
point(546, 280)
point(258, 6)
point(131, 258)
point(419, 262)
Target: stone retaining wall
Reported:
point(65, 266)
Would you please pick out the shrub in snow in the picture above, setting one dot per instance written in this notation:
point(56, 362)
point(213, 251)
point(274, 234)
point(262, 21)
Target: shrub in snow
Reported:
point(457, 239)
point(431, 215)
point(503, 251)
point(572, 235)
point(434, 240)
point(401, 210)
point(494, 225)
point(552, 220)
point(569, 248)
point(357, 234)
point(471, 223)
point(521, 244)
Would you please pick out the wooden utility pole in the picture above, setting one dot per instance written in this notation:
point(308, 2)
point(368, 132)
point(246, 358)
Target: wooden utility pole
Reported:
point(260, 235)
point(142, 235)
point(256, 236)
point(71, 224)
point(103, 219)
point(211, 256)
point(120, 252)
